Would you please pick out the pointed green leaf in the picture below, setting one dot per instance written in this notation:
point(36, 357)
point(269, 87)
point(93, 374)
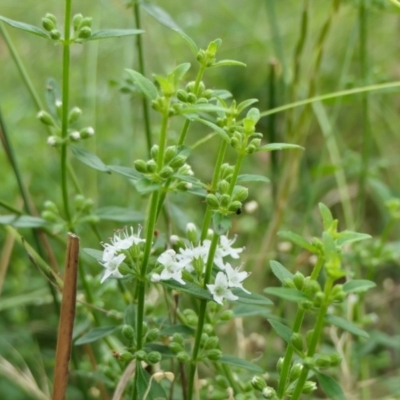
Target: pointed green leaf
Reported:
point(160, 15)
point(297, 239)
point(221, 223)
point(280, 271)
point(120, 214)
point(198, 108)
point(143, 381)
point(240, 363)
point(281, 330)
point(111, 33)
point(245, 104)
point(23, 221)
point(286, 293)
point(25, 27)
point(96, 334)
point(250, 310)
point(189, 41)
point(125, 171)
point(252, 178)
point(214, 127)
point(251, 298)
point(145, 85)
point(145, 186)
point(190, 288)
point(229, 63)
point(358, 286)
point(183, 330)
point(346, 325)
point(180, 71)
point(253, 114)
point(346, 237)
point(90, 159)
point(326, 215)
point(331, 388)
point(279, 146)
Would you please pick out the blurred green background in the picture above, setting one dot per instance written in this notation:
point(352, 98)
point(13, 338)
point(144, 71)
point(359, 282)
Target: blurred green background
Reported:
point(264, 35)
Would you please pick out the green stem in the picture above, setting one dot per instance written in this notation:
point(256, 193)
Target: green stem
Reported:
point(236, 171)
point(65, 109)
point(202, 315)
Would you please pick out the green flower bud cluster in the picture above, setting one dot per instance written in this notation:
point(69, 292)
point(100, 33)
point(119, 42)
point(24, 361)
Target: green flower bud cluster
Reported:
point(191, 317)
point(189, 96)
point(225, 203)
point(49, 23)
point(51, 213)
point(82, 27)
point(207, 58)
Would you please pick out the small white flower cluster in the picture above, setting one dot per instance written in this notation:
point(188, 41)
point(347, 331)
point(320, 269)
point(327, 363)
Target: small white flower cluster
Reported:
point(191, 257)
point(113, 255)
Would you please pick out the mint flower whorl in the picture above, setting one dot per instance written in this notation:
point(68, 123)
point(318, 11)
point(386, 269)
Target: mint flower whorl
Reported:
point(220, 290)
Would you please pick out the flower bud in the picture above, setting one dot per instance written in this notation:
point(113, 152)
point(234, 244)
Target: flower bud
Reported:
point(222, 381)
point(84, 32)
point(50, 216)
point(323, 361)
point(226, 315)
point(151, 166)
point(140, 355)
point(183, 357)
point(74, 136)
point(76, 21)
point(55, 34)
point(214, 354)
point(175, 347)
point(269, 393)
point(51, 17)
point(295, 372)
point(298, 280)
point(123, 268)
point(211, 343)
point(309, 336)
point(240, 193)
point(155, 278)
point(74, 114)
point(191, 98)
point(87, 21)
point(309, 387)
point(204, 338)
point(279, 364)
point(223, 186)
point(250, 149)
point(152, 335)
point(86, 132)
point(154, 151)
point(48, 24)
point(140, 166)
point(306, 305)
point(288, 283)
point(54, 141)
point(170, 153)
point(235, 206)
point(234, 143)
point(225, 200)
point(153, 357)
point(191, 232)
point(181, 95)
point(212, 201)
point(201, 56)
point(45, 118)
point(335, 359)
point(50, 206)
point(318, 299)
point(258, 383)
point(190, 86)
point(177, 161)
point(297, 341)
point(178, 338)
point(192, 320)
point(166, 172)
point(126, 356)
point(309, 362)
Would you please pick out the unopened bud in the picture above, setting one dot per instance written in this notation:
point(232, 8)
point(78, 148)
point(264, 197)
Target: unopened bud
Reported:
point(181, 95)
point(214, 354)
point(268, 393)
point(323, 361)
point(153, 357)
point(298, 280)
point(309, 387)
point(76, 21)
point(55, 34)
point(226, 315)
point(86, 132)
point(235, 206)
point(183, 357)
point(225, 200)
point(87, 21)
point(170, 153)
point(45, 118)
point(151, 166)
point(52, 141)
point(211, 343)
point(309, 362)
point(335, 359)
point(240, 193)
point(177, 161)
point(212, 201)
point(140, 355)
point(140, 166)
point(166, 172)
point(191, 232)
point(223, 186)
point(74, 114)
point(258, 383)
point(126, 356)
point(279, 364)
point(84, 32)
point(152, 335)
point(297, 341)
point(175, 347)
point(48, 24)
point(295, 372)
point(75, 136)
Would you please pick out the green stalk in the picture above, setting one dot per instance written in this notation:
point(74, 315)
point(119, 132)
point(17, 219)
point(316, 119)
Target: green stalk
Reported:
point(202, 315)
point(319, 325)
point(139, 46)
point(65, 108)
point(287, 361)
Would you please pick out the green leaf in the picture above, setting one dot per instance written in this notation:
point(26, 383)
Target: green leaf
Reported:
point(240, 363)
point(180, 71)
point(96, 334)
point(160, 15)
point(189, 41)
point(280, 271)
point(245, 104)
point(90, 159)
point(250, 310)
point(214, 127)
point(184, 330)
point(119, 214)
point(143, 381)
point(190, 288)
point(198, 108)
point(358, 286)
point(97, 254)
point(286, 293)
point(253, 114)
point(326, 215)
point(130, 316)
point(346, 325)
point(251, 298)
point(23, 221)
point(297, 239)
point(346, 237)
point(252, 178)
point(221, 223)
point(331, 388)
point(111, 33)
point(281, 330)
point(228, 63)
point(144, 186)
point(279, 146)
point(145, 85)
point(25, 27)
point(125, 171)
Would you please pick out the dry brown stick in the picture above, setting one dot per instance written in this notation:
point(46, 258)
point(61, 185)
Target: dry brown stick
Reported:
point(65, 327)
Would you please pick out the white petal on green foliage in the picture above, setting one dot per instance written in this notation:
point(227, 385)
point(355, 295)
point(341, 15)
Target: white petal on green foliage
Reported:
point(220, 289)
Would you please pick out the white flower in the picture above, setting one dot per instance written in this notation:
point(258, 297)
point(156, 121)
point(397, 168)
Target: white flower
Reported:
point(75, 135)
point(126, 241)
point(220, 289)
point(51, 140)
point(226, 249)
point(190, 254)
point(109, 252)
point(172, 267)
point(235, 277)
point(155, 278)
point(112, 267)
